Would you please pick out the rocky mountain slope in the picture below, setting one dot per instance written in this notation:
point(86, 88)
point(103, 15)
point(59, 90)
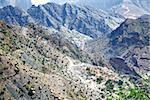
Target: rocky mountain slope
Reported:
point(131, 42)
point(39, 63)
point(127, 46)
point(60, 57)
point(85, 20)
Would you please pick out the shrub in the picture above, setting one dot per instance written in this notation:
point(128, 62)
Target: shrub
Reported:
point(133, 94)
point(109, 85)
point(7, 34)
point(99, 80)
point(5, 48)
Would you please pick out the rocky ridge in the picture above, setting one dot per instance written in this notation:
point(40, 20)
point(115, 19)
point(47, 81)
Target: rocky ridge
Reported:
point(85, 20)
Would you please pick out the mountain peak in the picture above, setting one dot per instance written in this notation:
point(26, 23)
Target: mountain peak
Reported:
point(83, 19)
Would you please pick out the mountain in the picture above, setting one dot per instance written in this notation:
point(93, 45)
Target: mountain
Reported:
point(129, 8)
point(131, 33)
point(126, 47)
point(85, 20)
point(50, 53)
point(44, 63)
point(22, 4)
point(121, 8)
point(72, 17)
point(41, 63)
point(131, 41)
point(117, 8)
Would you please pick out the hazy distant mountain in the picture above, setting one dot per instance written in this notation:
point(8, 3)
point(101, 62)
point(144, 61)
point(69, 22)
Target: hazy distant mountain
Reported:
point(23, 4)
point(124, 8)
point(129, 8)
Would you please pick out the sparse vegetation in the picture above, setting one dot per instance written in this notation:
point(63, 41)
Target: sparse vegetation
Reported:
point(5, 47)
point(6, 33)
point(109, 85)
point(133, 94)
point(49, 64)
point(99, 80)
point(29, 85)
